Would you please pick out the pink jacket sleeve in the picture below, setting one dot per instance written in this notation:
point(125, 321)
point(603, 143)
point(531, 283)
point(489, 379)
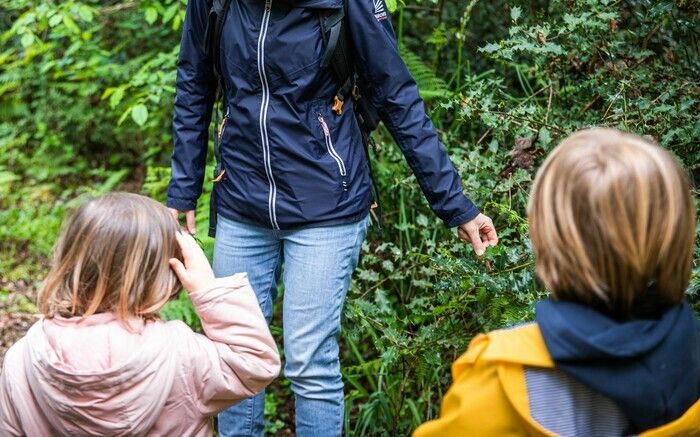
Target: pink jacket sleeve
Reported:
point(238, 356)
point(9, 420)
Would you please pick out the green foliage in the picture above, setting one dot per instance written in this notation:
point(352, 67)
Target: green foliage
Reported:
point(429, 84)
point(86, 93)
point(180, 308)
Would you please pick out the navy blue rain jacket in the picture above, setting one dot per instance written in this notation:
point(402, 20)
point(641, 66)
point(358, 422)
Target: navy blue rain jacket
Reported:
point(290, 161)
point(649, 367)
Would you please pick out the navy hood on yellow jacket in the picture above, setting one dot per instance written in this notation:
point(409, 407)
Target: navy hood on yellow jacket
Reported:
point(649, 367)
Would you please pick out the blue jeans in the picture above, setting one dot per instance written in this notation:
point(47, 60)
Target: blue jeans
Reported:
point(318, 265)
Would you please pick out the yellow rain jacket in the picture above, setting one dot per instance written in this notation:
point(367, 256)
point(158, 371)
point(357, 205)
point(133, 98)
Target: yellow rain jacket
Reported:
point(490, 395)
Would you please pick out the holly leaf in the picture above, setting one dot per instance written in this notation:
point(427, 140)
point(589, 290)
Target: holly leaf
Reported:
point(515, 13)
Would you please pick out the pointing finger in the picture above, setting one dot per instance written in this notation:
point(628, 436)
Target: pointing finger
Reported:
point(191, 227)
point(475, 239)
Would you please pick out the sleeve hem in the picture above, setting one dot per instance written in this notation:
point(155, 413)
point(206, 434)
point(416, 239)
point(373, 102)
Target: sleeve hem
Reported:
point(470, 214)
point(181, 204)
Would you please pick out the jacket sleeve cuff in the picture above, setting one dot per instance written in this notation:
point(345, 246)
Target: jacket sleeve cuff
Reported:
point(468, 215)
point(181, 204)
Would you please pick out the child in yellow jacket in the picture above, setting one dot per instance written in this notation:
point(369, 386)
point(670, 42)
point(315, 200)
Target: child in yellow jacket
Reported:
point(616, 349)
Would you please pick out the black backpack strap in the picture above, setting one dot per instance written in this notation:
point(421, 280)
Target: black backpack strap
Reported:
point(216, 8)
point(337, 54)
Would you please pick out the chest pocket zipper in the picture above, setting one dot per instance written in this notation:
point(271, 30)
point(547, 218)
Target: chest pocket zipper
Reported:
point(331, 149)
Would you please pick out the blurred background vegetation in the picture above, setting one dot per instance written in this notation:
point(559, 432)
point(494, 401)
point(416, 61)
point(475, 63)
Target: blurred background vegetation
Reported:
point(86, 95)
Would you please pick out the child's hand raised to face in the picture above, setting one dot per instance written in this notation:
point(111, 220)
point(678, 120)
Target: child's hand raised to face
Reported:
point(195, 273)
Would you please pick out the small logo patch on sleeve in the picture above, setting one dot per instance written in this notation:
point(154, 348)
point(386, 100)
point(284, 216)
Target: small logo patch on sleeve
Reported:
point(380, 10)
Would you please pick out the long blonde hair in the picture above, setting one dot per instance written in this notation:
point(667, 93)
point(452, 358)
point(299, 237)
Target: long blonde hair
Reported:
point(112, 256)
point(612, 220)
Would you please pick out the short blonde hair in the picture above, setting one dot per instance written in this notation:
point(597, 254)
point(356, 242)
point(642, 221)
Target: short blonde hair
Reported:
point(112, 256)
point(612, 223)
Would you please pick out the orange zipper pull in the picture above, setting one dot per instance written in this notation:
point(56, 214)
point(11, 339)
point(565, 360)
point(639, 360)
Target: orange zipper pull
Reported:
point(220, 177)
point(337, 106)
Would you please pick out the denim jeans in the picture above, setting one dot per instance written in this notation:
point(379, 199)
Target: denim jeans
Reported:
point(318, 265)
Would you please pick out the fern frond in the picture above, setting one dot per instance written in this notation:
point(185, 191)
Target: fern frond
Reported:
point(429, 84)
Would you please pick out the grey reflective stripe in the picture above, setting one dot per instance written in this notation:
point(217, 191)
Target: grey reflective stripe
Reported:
point(272, 196)
point(568, 408)
point(329, 146)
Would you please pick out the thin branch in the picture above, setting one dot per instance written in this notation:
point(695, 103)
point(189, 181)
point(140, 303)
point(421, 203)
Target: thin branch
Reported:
point(118, 7)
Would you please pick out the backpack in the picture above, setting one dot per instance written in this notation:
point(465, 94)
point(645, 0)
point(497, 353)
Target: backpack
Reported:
point(338, 56)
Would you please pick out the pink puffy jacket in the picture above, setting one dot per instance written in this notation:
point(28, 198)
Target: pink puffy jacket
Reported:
point(94, 377)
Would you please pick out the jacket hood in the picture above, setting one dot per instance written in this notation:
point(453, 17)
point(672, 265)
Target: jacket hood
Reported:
point(95, 377)
point(649, 367)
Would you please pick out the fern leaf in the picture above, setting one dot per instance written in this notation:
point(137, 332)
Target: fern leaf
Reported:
point(429, 85)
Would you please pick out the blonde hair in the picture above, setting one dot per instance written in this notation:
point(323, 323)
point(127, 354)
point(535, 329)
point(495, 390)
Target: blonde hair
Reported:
point(112, 256)
point(612, 223)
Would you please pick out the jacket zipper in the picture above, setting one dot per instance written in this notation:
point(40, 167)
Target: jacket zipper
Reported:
point(272, 196)
point(329, 146)
point(220, 171)
point(222, 126)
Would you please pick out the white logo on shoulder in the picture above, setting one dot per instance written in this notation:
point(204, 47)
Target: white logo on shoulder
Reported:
point(380, 10)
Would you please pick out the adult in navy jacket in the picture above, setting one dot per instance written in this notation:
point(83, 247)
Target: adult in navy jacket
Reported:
point(296, 188)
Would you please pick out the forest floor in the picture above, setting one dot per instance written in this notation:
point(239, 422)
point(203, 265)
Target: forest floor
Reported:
point(18, 302)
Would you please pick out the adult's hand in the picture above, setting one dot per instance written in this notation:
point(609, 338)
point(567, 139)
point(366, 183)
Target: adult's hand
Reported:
point(189, 219)
point(195, 273)
point(480, 232)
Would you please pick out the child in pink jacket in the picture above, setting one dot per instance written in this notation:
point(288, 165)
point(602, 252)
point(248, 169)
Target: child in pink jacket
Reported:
point(100, 362)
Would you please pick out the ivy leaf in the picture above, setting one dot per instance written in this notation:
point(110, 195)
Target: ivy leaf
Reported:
point(151, 15)
point(139, 114)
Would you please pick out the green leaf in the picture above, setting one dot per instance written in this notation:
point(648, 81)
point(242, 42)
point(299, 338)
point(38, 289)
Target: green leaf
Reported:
point(169, 13)
point(116, 97)
point(27, 39)
point(139, 114)
point(490, 48)
point(55, 20)
point(392, 5)
point(70, 24)
point(151, 15)
point(85, 13)
point(515, 13)
point(545, 138)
